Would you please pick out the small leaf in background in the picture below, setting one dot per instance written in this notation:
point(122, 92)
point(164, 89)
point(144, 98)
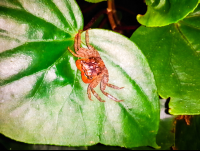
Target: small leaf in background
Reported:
point(165, 12)
point(173, 55)
point(43, 99)
point(187, 136)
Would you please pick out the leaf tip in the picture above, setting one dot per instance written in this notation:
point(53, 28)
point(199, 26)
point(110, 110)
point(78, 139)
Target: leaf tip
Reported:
point(139, 16)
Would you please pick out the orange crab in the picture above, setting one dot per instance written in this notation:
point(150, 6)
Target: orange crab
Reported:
point(92, 67)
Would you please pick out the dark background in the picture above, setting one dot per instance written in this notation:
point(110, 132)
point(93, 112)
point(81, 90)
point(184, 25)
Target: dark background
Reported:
point(127, 11)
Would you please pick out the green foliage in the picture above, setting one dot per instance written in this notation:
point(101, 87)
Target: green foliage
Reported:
point(165, 138)
point(43, 99)
point(165, 12)
point(173, 55)
point(42, 88)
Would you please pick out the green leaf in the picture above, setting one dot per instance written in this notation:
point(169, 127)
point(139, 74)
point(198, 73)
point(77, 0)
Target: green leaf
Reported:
point(165, 12)
point(43, 99)
point(95, 1)
point(173, 55)
point(166, 135)
point(136, 108)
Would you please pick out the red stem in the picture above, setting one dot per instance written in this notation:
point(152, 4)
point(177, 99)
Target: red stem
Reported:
point(92, 21)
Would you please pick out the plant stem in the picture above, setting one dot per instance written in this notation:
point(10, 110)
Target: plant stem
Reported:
point(94, 19)
point(110, 14)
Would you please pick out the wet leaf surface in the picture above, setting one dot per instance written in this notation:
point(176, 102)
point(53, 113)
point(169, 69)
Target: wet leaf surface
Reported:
point(43, 99)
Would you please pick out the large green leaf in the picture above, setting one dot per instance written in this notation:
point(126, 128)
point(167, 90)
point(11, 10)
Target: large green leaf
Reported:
point(165, 137)
point(43, 99)
point(165, 12)
point(140, 102)
point(173, 55)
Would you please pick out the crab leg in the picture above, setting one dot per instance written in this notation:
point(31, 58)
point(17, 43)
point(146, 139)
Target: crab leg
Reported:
point(79, 39)
point(110, 96)
point(106, 79)
point(89, 93)
point(92, 85)
point(75, 43)
point(87, 38)
point(96, 95)
point(73, 53)
point(104, 82)
point(114, 86)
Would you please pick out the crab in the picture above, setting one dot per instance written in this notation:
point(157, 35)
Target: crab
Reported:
point(92, 67)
